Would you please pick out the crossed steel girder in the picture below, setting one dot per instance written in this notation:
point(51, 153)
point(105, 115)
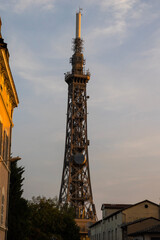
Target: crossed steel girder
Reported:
point(76, 186)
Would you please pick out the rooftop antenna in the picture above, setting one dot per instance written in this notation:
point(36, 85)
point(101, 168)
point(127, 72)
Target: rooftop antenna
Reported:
point(0, 27)
point(78, 23)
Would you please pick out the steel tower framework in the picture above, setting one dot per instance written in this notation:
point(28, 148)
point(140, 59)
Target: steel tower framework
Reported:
point(76, 185)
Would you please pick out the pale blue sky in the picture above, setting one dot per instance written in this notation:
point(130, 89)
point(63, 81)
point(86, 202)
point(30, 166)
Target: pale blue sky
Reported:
point(122, 51)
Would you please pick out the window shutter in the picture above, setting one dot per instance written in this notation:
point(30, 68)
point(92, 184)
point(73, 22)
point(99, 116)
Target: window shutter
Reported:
point(4, 146)
point(2, 209)
point(0, 138)
point(6, 149)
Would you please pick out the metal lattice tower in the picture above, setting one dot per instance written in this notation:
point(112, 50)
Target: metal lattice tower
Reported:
point(76, 185)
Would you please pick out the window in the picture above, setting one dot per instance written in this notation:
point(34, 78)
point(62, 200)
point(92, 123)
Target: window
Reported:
point(103, 235)
point(6, 152)
point(109, 235)
point(5, 147)
point(1, 127)
point(116, 234)
point(2, 208)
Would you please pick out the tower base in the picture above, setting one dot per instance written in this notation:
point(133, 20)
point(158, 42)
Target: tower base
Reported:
point(84, 227)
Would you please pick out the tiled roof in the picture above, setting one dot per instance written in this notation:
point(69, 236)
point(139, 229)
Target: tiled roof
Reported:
point(115, 206)
point(118, 206)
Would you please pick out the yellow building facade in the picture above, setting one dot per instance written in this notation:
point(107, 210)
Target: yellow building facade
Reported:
point(8, 101)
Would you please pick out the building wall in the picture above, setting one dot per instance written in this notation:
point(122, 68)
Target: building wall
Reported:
point(5, 115)
point(148, 237)
point(2, 233)
point(136, 227)
point(138, 238)
point(110, 228)
point(142, 210)
point(8, 101)
point(152, 236)
point(95, 233)
point(107, 212)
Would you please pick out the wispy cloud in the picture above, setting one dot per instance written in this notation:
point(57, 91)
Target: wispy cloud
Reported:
point(151, 55)
point(119, 12)
point(19, 6)
point(32, 69)
point(119, 20)
point(119, 8)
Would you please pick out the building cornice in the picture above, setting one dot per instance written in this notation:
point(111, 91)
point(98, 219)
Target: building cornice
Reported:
point(8, 79)
point(3, 228)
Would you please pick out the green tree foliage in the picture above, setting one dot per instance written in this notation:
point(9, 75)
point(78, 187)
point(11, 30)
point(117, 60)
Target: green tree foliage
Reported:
point(49, 222)
point(18, 216)
point(39, 219)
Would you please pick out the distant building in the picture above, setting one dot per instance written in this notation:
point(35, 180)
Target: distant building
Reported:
point(146, 228)
point(121, 221)
point(108, 209)
point(150, 233)
point(8, 101)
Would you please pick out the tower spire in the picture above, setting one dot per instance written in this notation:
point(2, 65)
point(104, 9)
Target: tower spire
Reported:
point(77, 59)
point(78, 24)
point(0, 27)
